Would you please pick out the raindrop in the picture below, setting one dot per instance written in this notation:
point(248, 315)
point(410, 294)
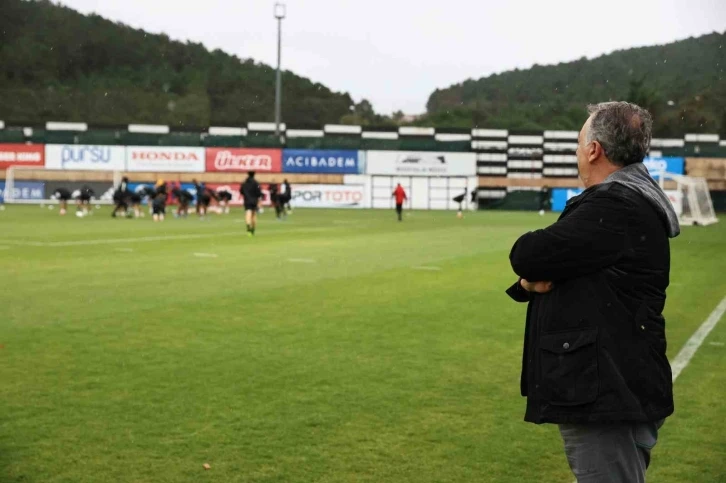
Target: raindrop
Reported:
point(105, 94)
point(665, 61)
point(607, 81)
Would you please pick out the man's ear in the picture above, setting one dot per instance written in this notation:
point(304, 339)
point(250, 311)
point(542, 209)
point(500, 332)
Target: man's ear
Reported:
point(594, 151)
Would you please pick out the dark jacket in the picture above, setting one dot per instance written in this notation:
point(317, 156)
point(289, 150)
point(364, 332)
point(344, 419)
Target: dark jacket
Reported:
point(595, 346)
point(250, 191)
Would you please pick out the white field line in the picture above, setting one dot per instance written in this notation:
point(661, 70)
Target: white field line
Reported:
point(301, 260)
point(112, 241)
point(428, 268)
point(125, 250)
point(717, 344)
point(689, 349)
point(206, 255)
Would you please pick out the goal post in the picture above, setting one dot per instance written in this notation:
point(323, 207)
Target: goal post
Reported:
point(32, 185)
point(690, 197)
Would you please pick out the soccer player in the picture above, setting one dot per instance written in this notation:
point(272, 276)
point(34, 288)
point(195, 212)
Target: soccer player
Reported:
point(62, 195)
point(135, 199)
point(251, 192)
point(84, 200)
point(286, 196)
point(203, 198)
point(120, 197)
point(224, 197)
point(461, 199)
point(276, 199)
point(159, 202)
point(400, 196)
point(184, 198)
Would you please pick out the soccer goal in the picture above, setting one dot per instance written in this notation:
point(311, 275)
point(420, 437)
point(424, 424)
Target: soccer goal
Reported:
point(30, 185)
point(690, 197)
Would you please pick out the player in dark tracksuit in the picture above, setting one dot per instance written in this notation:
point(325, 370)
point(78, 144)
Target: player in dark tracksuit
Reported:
point(224, 197)
point(251, 192)
point(286, 196)
point(184, 198)
point(159, 201)
point(120, 197)
point(62, 195)
point(84, 200)
point(203, 198)
point(277, 200)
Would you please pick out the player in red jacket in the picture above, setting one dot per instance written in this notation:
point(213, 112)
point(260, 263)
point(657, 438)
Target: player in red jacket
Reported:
point(400, 196)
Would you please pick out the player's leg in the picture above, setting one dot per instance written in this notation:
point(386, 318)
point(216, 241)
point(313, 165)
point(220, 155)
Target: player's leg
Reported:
point(248, 219)
point(63, 206)
point(399, 211)
point(254, 221)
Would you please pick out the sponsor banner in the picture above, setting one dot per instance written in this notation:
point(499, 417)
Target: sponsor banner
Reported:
point(320, 161)
point(328, 196)
point(560, 197)
point(82, 157)
point(158, 159)
point(668, 164)
point(22, 155)
point(25, 190)
point(239, 160)
point(421, 163)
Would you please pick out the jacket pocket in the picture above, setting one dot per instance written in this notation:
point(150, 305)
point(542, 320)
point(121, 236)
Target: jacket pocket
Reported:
point(568, 367)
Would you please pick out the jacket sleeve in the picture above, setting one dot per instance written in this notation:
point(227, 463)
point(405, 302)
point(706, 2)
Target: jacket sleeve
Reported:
point(592, 237)
point(517, 293)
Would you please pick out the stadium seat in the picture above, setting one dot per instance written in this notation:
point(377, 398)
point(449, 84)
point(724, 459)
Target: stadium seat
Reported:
point(453, 146)
point(262, 140)
point(38, 136)
point(380, 144)
point(98, 136)
point(181, 139)
point(305, 143)
point(61, 137)
point(140, 139)
point(223, 141)
point(341, 142)
point(11, 136)
point(415, 143)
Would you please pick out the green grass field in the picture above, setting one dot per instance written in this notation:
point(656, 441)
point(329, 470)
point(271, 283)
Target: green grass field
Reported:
point(339, 346)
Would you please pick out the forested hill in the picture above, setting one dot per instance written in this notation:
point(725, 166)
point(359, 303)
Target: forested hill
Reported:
point(58, 64)
point(683, 84)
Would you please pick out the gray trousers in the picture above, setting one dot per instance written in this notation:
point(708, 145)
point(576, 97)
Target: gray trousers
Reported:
point(609, 453)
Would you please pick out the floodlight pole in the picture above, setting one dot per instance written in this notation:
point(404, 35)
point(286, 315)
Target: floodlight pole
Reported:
point(280, 11)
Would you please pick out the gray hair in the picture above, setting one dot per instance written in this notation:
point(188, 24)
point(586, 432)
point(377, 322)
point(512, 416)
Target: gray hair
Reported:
point(623, 130)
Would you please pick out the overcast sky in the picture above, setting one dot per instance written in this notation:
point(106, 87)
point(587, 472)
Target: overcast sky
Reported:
point(396, 52)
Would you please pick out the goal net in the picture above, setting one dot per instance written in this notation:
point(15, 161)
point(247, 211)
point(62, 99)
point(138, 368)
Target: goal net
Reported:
point(30, 185)
point(690, 197)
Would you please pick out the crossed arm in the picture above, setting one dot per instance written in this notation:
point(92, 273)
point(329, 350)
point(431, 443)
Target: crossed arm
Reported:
point(592, 237)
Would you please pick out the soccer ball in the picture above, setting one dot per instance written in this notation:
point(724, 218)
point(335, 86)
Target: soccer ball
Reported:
point(79, 214)
point(541, 212)
point(98, 207)
point(51, 207)
point(460, 214)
